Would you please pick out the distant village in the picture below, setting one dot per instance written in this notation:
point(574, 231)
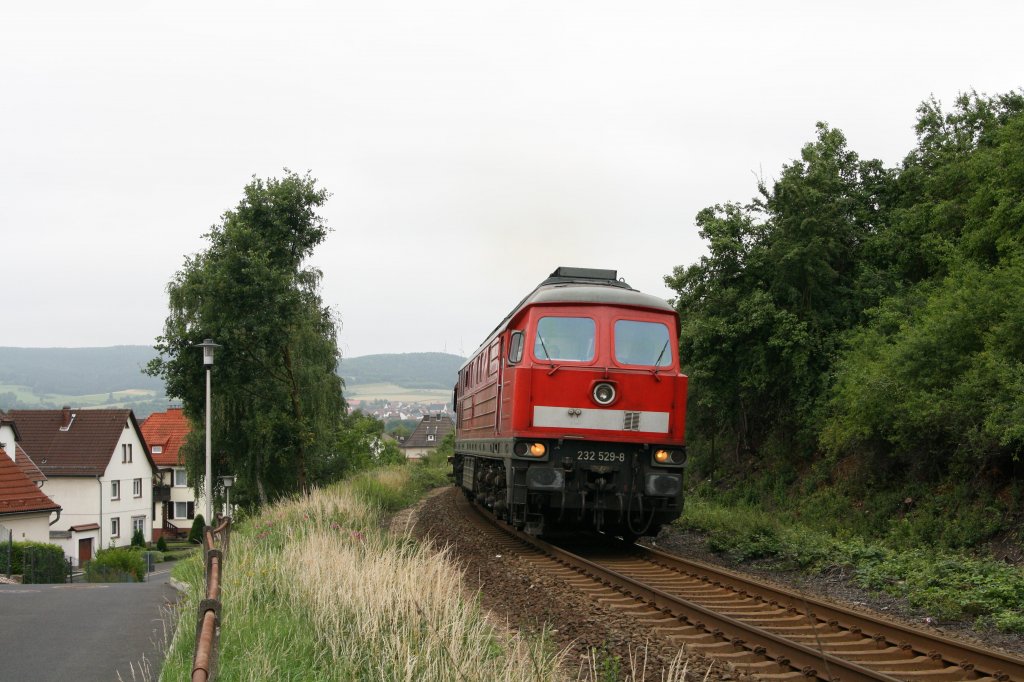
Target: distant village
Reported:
point(388, 410)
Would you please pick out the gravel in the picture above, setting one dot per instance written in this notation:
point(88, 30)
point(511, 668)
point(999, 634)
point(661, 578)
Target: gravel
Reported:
point(512, 591)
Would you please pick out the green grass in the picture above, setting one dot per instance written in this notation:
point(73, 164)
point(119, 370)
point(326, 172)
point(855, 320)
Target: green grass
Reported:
point(948, 584)
point(27, 396)
point(314, 590)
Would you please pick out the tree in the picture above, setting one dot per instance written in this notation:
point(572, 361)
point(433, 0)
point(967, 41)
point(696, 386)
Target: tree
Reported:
point(195, 534)
point(277, 398)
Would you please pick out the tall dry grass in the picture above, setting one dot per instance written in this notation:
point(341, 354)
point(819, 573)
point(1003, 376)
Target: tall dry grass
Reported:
point(314, 590)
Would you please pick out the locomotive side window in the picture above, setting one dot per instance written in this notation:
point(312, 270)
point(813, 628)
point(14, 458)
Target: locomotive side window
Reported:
point(642, 343)
point(515, 347)
point(565, 338)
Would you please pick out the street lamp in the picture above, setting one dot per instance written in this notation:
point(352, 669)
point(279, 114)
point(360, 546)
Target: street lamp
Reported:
point(227, 482)
point(208, 345)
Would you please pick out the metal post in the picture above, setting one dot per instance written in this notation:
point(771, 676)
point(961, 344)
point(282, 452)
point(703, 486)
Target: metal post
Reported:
point(208, 346)
point(209, 456)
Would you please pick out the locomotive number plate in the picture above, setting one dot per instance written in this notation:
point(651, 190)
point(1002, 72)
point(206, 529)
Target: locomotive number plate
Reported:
point(600, 456)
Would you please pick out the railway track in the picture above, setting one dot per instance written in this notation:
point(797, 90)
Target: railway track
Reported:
point(763, 630)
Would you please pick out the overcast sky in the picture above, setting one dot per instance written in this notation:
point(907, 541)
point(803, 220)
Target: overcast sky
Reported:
point(471, 147)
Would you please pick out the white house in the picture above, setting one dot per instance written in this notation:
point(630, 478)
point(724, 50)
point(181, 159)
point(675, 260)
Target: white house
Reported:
point(428, 435)
point(25, 510)
point(98, 470)
point(176, 500)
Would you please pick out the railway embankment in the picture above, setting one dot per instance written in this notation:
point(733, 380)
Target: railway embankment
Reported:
point(317, 589)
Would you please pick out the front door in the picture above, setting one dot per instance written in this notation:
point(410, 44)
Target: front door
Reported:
point(84, 550)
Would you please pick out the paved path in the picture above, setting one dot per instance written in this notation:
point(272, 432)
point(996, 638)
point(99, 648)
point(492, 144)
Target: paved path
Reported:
point(82, 632)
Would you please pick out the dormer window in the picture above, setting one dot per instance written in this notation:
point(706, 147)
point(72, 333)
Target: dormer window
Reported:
point(157, 449)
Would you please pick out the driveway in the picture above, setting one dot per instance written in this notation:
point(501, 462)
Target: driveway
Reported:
point(83, 632)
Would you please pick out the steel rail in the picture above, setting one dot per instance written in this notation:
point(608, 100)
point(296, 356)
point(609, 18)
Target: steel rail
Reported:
point(802, 659)
point(954, 653)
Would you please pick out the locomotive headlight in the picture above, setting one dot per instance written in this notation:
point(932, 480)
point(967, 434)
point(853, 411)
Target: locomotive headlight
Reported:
point(670, 457)
point(538, 449)
point(604, 393)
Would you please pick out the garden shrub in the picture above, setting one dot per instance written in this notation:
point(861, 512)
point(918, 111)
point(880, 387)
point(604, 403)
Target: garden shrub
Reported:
point(161, 544)
point(138, 539)
point(116, 565)
point(38, 562)
point(195, 535)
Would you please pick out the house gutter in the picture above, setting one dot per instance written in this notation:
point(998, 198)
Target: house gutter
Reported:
point(100, 484)
point(58, 517)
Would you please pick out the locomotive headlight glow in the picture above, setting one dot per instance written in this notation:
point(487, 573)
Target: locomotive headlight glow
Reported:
point(661, 456)
point(538, 449)
point(604, 393)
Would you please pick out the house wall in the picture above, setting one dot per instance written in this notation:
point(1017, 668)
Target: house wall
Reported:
point(183, 493)
point(128, 506)
point(70, 544)
point(7, 440)
point(416, 453)
point(78, 495)
point(27, 527)
point(87, 501)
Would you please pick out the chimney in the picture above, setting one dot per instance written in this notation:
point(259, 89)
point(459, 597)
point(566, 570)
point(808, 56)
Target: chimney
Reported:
point(67, 418)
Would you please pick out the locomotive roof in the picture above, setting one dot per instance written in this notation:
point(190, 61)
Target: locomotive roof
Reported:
point(581, 285)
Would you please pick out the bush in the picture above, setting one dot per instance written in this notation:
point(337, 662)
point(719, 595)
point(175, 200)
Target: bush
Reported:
point(138, 539)
point(195, 535)
point(116, 565)
point(38, 562)
point(161, 544)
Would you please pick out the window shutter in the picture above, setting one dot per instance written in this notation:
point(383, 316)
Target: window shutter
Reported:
point(191, 510)
point(168, 511)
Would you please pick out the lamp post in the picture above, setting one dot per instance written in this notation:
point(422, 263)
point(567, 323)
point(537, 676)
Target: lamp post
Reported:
point(227, 482)
point(208, 345)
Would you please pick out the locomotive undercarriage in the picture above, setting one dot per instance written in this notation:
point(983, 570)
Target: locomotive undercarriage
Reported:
point(625, 498)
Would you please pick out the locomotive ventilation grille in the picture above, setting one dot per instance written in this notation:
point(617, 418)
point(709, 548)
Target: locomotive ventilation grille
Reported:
point(631, 421)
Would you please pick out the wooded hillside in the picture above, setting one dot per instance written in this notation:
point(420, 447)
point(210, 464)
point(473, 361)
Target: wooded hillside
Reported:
point(862, 327)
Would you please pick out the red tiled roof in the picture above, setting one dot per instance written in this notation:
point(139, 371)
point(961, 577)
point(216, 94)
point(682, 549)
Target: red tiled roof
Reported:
point(18, 494)
point(83, 449)
point(167, 430)
point(26, 464)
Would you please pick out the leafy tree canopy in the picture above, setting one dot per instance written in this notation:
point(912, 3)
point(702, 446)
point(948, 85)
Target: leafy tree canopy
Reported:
point(869, 311)
point(277, 402)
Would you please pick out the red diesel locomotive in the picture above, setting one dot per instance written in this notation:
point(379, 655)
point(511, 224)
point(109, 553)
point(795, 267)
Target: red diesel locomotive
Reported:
point(572, 413)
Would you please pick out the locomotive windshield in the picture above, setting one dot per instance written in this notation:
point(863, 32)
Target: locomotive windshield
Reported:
point(564, 338)
point(642, 343)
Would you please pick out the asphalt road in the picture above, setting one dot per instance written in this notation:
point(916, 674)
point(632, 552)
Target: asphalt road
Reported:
point(83, 632)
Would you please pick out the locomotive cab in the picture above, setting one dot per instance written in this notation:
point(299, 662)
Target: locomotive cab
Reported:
point(572, 413)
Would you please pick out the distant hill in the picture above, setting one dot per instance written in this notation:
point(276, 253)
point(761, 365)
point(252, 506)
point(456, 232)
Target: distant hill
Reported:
point(112, 376)
point(411, 370)
point(74, 371)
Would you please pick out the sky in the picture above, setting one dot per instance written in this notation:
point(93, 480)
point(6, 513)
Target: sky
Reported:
point(471, 147)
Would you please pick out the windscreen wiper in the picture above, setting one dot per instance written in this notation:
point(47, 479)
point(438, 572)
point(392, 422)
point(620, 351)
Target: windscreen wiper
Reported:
point(657, 363)
point(554, 367)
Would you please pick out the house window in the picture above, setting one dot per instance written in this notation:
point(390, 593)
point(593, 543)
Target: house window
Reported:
point(115, 527)
point(115, 490)
point(126, 453)
point(157, 449)
point(138, 525)
point(430, 437)
point(180, 478)
point(184, 510)
point(137, 487)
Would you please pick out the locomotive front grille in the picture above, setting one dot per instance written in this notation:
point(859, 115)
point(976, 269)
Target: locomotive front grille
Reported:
point(631, 421)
